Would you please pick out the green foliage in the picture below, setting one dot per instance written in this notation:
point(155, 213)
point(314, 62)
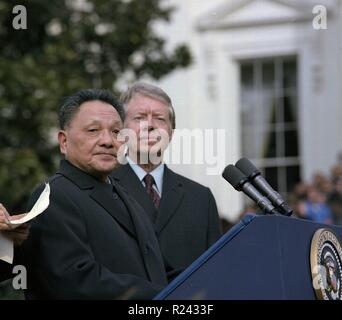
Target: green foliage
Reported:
point(67, 47)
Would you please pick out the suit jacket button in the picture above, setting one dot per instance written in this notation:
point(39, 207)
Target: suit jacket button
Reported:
point(115, 196)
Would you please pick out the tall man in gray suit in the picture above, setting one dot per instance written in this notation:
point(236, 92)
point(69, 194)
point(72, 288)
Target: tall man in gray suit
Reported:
point(183, 212)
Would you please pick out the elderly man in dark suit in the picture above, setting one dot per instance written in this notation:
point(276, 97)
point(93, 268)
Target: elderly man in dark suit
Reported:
point(184, 212)
point(94, 241)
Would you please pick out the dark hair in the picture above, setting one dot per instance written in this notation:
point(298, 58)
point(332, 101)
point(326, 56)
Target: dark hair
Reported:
point(151, 91)
point(71, 104)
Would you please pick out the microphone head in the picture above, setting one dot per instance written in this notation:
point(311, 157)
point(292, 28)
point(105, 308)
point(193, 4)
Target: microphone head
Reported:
point(247, 167)
point(234, 176)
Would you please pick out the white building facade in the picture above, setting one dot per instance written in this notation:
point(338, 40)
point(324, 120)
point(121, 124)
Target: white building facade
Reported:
point(267, 73)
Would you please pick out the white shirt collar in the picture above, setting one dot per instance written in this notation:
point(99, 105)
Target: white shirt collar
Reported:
point(156, 173)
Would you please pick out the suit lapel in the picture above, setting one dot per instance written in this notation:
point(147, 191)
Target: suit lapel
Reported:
point(144, 230)
point(102, 193)
point(104, 196)
point(129, 180)
point(172, 196)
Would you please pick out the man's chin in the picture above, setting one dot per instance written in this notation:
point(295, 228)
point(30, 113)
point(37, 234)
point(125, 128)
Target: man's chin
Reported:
point(107, 168)
point(147, 157)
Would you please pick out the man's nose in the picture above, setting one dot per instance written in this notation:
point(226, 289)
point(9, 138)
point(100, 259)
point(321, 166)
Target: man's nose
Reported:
point(106, 138)
point(151, 123)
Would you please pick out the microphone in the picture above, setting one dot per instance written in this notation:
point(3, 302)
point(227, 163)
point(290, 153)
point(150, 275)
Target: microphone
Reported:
point(240, 182)
point(255, 177)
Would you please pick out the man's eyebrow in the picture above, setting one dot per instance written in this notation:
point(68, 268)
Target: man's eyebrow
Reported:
point(158, 113)
point(117, 123)
point(92, 122)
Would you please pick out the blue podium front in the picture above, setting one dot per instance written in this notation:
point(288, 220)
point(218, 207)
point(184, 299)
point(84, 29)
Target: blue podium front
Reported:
point(262, 257)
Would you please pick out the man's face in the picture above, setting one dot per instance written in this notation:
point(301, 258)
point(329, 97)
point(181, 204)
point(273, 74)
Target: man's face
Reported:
point(90, 141)
point(149, 118)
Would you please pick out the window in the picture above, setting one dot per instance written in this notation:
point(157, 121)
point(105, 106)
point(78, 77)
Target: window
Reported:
point(269, 119)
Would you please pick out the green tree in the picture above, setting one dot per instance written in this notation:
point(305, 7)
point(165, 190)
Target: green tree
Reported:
point(68, 45)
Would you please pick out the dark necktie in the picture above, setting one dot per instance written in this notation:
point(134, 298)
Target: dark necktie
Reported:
point(149, 182)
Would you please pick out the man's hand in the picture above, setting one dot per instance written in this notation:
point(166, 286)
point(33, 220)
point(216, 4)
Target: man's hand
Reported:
point(17, 233)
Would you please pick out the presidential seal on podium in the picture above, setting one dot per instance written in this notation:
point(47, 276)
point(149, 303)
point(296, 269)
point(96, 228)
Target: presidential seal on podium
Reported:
point(326, 259)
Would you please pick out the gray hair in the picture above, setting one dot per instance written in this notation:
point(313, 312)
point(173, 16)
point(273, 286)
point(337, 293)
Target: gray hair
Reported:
point(151, 91)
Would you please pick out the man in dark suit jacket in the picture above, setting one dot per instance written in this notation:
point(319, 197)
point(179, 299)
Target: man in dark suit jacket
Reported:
point(184, 212)
point(93, 241)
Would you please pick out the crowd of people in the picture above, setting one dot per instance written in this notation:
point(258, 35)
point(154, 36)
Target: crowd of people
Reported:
point(321, 199)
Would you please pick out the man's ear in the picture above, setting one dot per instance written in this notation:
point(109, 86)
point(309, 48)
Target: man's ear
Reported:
point(62, 140)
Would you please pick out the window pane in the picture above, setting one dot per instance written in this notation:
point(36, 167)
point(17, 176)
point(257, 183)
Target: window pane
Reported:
point(268, 75)
point(291, 143)
point(290, 109)
point(269, 112)
point(290, 74)
point(292, 177)
point(247, 79)
point(251, 109)
point(271, 175)
point(270, 147)
point(249, 148)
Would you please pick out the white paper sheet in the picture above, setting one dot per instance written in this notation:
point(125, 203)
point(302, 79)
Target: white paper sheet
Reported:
point(6, 245)
point(6, 249)
point(40, 206)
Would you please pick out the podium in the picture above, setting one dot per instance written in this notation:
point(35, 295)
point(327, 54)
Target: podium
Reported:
point(261, 257)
